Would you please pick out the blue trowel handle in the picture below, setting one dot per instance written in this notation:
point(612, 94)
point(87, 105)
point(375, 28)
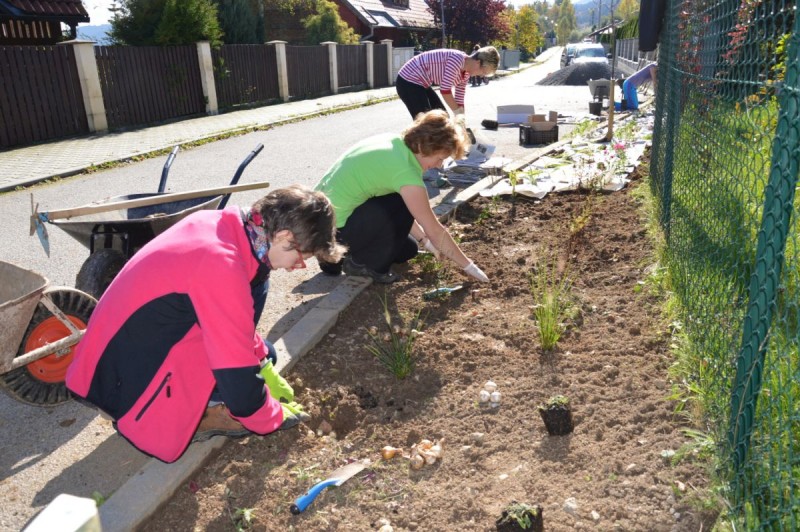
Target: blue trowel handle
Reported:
point(303, 501)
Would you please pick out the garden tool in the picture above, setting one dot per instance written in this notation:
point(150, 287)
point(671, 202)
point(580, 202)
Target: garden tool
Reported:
point(278, 387)
point(439, 292)
point(337, 478)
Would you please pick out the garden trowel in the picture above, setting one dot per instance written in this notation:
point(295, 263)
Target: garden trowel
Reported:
point(337, 478)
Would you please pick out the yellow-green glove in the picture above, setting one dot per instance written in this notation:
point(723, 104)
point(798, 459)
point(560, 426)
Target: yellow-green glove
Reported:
point(278, 387)
point(293, 414)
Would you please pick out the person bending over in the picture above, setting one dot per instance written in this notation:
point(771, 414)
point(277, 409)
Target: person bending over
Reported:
point(171, 352)
point(450, 70)
point(381, 203)
point(635, 80)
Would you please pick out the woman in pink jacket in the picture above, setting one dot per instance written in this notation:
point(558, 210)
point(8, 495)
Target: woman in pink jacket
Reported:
point(176, 328)
point(450, 70)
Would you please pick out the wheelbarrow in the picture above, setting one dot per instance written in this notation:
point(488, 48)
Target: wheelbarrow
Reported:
point(39, 329)
point(115, 229)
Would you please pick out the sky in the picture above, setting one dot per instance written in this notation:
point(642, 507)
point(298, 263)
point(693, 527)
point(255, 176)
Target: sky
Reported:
point(98, 11)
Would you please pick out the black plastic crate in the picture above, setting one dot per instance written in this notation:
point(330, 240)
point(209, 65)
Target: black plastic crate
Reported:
point(528, 135)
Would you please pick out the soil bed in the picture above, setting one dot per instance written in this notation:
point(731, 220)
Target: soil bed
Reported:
point(611, 363)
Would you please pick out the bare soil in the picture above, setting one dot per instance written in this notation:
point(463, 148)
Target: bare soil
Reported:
point(612, 363)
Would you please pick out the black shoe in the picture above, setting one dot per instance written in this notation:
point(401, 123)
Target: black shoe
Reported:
point(351, 267)
point(331, 268)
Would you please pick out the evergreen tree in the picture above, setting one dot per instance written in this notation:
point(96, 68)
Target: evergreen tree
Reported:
point(327, 25)
point(241, 21)
point(165, 22)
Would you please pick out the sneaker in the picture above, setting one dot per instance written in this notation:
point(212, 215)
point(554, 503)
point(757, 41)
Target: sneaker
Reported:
point(351, 267)
point(218, 422)
point(331, 268)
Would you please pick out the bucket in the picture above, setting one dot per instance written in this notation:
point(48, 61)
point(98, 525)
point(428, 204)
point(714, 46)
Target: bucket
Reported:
point(596, 108)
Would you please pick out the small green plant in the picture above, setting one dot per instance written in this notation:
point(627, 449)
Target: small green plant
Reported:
point(243, 518)
point(578, 222)
point(520, 513)
point(433, 270)
point(556, 401)
point(550, 291)
point(513, 178)
point(395, 349)
point(583, 127)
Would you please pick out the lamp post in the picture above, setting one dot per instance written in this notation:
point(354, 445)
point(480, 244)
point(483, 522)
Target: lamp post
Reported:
point(444, 38)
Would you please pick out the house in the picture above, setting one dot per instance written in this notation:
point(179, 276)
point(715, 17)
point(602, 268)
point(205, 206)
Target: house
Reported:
point(39, 21)
point(405, 22)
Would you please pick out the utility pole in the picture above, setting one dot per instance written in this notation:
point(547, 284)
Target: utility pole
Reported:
point(444, 38)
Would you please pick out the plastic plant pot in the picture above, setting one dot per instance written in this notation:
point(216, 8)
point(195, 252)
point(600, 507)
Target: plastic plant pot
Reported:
point(557, 416)
point(595, 108)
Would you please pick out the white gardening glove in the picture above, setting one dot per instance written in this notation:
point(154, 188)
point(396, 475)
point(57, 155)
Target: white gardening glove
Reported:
point(472, 270)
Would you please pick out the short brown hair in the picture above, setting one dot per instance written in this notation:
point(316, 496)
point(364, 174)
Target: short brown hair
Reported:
point(434, 132)
point(307, 214)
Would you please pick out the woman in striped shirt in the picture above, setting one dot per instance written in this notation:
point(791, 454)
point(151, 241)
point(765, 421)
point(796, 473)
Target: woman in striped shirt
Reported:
point(450, 70)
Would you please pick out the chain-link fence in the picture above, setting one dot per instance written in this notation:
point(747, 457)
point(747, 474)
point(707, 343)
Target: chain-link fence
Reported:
point(725, 168)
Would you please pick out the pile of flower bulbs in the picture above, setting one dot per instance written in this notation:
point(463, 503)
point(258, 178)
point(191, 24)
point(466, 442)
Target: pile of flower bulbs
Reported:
point(489, 395)
point(423, 453)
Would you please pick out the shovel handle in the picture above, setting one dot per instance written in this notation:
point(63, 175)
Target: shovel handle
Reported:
point(303, 501)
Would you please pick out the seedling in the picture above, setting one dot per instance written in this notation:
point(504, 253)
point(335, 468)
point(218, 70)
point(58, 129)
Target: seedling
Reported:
point(520, 516)
point(395, 349)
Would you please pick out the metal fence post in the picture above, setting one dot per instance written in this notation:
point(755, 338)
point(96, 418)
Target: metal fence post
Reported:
point(370, 64)
point(283, 74)
point(388, 43)
point(333, 65)
point(207, 77)
point(86, 64)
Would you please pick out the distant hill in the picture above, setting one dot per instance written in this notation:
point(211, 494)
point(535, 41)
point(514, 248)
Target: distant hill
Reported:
point(98, 34)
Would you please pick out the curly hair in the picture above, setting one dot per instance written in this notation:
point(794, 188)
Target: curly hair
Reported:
point(308, 214)
point(434, 132)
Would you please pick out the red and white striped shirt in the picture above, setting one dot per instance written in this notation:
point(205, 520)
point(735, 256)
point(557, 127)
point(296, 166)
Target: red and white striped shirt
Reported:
point(438, 67)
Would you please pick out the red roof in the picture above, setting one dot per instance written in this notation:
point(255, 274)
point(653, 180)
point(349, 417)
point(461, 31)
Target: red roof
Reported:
point(390, 13)
point(51, 8)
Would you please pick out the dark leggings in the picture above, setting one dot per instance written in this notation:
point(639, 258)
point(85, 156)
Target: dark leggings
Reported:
point(417, 98)
point(376, 233)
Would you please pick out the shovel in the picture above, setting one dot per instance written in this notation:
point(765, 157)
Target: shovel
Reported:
point(337, 478)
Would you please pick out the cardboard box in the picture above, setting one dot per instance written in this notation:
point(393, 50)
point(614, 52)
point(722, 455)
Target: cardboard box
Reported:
point(514, 114)
point(539, 123)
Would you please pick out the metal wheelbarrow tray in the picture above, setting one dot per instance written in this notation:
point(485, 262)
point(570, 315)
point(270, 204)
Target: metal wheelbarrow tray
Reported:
point(39, 329)
point(114, 229)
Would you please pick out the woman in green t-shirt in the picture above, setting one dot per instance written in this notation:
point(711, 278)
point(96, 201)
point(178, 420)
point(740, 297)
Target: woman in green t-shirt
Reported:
point(382, 210)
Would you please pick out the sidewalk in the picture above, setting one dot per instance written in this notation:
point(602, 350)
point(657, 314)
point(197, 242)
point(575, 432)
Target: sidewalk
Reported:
point(62, 158)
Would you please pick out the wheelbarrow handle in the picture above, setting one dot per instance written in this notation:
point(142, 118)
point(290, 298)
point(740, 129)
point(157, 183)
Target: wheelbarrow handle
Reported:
point(143, 202)
point(239, 171)
point(162, 185)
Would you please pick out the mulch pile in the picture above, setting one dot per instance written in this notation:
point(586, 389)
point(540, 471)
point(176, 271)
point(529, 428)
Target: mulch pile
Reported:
point(578, 74)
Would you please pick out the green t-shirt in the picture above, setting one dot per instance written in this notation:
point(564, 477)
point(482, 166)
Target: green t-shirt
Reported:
point(376, 166)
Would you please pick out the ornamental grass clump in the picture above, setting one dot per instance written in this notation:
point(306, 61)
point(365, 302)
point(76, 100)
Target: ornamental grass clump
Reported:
point(395, 348)
point(550, 291)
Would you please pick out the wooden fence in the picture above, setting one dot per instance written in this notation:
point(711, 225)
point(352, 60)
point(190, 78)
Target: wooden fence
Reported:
point(351, 65)
point(149, 84)
point(308, 72)
point(44, 95)
point(245, 74)
point(40, 95)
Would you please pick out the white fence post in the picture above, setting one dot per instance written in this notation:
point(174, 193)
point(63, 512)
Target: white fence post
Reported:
point(370, 63)
point(283, 75)
point(207, 77)
point(388, 43)
point(89, 77)
point(333, 65)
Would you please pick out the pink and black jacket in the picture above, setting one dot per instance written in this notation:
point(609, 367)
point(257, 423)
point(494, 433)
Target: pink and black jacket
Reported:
point(177, 321)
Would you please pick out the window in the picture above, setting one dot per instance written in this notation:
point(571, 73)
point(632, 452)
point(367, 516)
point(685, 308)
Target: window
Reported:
point(401, 3)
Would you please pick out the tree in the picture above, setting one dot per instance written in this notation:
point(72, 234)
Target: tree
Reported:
point(471, 21)
point(165, 22)
point(627, 10)
point(529, 36)
point(566, 21)
point(241, 21)
point(327, 25)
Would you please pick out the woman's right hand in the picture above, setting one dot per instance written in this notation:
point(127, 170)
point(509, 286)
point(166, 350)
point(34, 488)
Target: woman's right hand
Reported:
point(472, 270)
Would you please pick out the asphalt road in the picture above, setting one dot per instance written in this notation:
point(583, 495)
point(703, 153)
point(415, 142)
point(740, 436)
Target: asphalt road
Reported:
point(71, 449)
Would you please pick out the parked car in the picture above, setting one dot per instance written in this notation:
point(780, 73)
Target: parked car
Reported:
point(590, 53)
point(567, 54)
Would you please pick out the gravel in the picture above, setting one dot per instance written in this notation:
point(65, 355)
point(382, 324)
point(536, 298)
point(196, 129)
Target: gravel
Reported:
point(578, 74)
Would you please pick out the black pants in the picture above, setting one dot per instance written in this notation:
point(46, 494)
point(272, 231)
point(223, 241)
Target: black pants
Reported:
point(417, 98)
point(377, 233)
